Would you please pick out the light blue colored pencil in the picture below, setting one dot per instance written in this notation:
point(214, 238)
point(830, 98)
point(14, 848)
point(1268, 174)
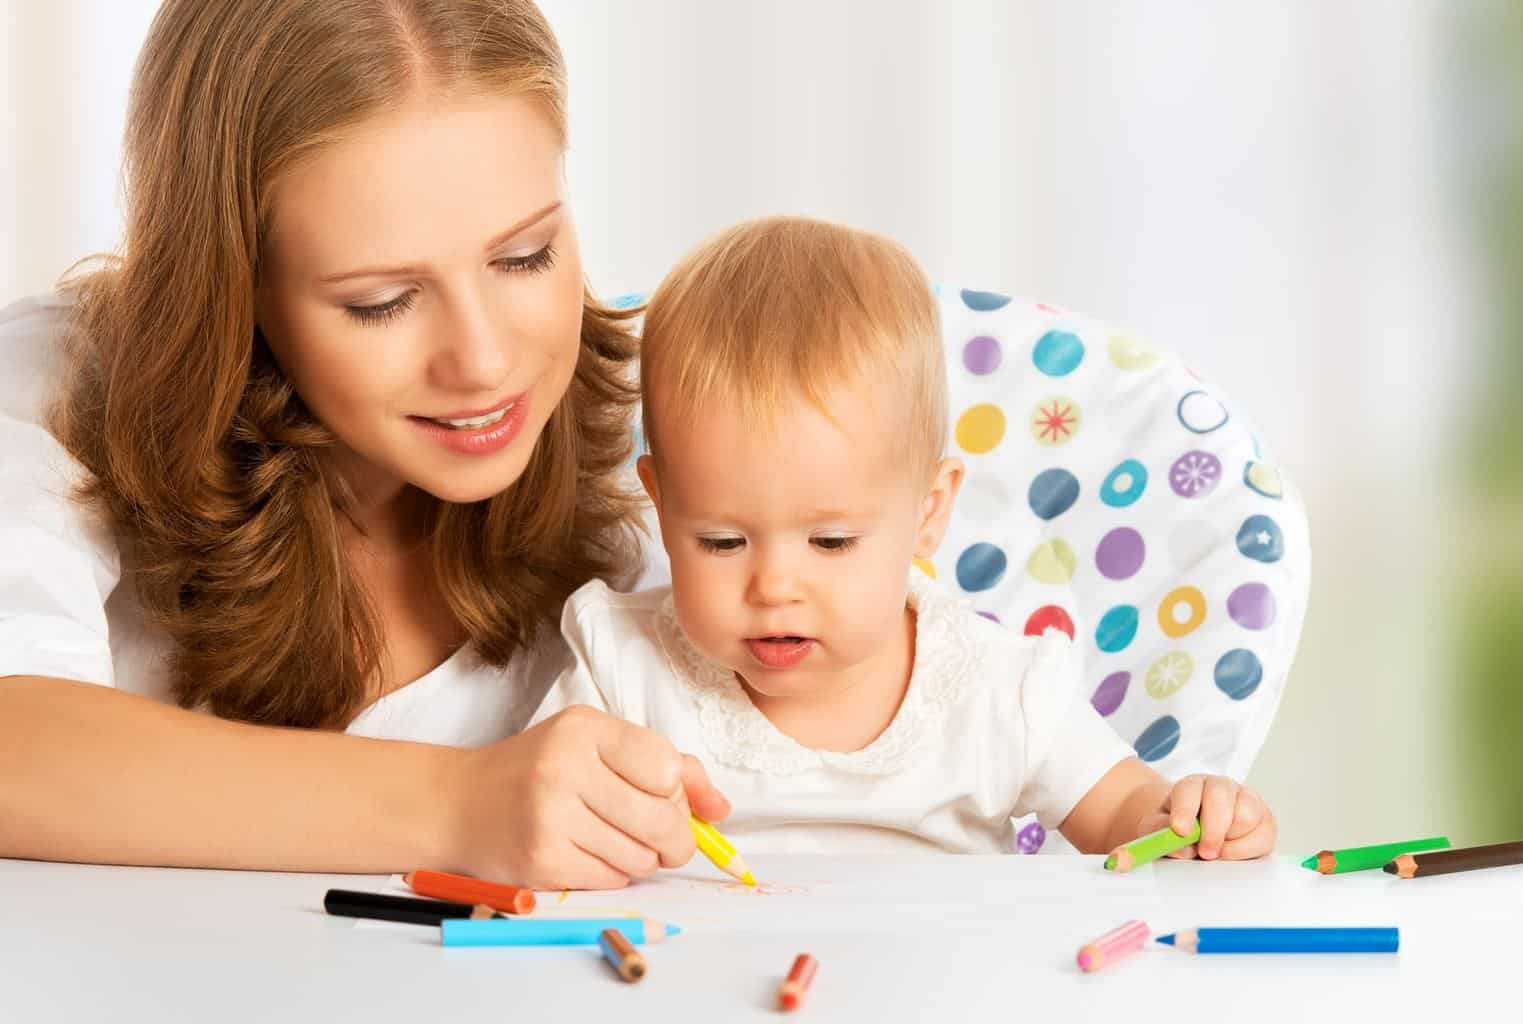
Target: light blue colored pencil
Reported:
point(549, 931)
point(1277, 940)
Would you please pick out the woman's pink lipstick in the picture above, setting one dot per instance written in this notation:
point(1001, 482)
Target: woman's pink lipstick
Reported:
point(483, 440)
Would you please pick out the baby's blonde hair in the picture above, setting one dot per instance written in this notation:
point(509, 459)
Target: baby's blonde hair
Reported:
point(783, 307)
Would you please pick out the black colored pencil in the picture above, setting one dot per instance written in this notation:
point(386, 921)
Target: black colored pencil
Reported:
point(406, 909)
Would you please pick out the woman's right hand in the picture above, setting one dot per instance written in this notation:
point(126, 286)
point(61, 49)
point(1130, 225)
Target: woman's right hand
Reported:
point(583, 800)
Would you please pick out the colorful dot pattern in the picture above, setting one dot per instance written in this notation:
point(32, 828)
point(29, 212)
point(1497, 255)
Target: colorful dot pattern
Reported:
point(1136, 512)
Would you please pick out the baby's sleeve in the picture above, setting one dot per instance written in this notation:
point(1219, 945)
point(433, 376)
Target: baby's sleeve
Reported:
point(1069, 747)
point(58, 564)
point(592, 676)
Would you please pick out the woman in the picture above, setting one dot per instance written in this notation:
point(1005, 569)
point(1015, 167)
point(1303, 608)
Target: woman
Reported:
point(335, 436)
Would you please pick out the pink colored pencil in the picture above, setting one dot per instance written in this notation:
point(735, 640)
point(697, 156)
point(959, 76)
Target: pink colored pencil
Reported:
point(1113, 945)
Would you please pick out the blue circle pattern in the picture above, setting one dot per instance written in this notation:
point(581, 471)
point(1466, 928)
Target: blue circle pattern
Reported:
point(980, 567)
point(1159, 739)
point(1052, 492)
point(984, 302)
point(1117, 628)
point(1238, 673)
point(1139, 483)
point(1058, 353)
point(1260, 539)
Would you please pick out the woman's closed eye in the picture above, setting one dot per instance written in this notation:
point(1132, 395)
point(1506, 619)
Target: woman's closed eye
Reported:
point(385, 312)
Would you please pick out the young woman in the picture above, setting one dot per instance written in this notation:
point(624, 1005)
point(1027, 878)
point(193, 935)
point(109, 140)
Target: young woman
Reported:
point(294, 485)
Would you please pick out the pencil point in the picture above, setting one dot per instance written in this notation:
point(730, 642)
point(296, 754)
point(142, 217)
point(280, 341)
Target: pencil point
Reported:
point(1310, 862)
point(1167, 940)
point(1110, 863)
point(748, 878)
point(1390, 868)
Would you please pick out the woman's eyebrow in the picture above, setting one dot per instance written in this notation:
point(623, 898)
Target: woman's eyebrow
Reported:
point(526, 223)
point(497, 240)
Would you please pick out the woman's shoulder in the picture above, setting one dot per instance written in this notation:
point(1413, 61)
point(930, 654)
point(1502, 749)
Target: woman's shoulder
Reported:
point(596, 604)
point(31, 352)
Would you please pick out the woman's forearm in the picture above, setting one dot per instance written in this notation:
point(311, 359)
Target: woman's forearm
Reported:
point(92, 775)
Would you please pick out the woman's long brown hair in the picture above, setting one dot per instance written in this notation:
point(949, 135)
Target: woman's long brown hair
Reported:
point(203, 458)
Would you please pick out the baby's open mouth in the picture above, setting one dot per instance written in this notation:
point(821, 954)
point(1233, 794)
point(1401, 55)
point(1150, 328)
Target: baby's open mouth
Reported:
point(780, 651)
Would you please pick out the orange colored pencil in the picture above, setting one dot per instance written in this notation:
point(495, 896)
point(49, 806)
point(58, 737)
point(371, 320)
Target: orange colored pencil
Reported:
point(442, 885)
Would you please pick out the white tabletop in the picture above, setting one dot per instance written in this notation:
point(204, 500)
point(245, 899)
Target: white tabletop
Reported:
point(940, 938)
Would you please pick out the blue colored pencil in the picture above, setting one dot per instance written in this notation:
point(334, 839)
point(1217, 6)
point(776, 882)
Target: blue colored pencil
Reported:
point(1271, 940)
point(550, 931)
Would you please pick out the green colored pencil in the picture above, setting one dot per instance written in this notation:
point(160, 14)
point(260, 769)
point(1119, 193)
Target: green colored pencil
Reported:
point(1368, 858)
point(1150, 847)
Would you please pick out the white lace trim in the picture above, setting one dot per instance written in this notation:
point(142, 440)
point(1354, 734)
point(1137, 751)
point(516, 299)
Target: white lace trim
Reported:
point(947, 657)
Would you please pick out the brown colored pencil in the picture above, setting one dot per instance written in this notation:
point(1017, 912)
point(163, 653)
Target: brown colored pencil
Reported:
point(1442, 862)
point(621, 955)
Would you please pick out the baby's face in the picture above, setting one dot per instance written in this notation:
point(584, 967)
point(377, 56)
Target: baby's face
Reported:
point(791, 548)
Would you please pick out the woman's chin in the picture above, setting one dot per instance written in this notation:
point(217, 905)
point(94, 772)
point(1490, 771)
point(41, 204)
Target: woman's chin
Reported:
point(466, 486)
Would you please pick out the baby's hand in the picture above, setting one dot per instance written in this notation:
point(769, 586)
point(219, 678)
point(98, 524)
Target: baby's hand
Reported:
point(1235, 823)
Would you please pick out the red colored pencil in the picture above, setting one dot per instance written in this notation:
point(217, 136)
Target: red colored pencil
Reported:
point(791, 996)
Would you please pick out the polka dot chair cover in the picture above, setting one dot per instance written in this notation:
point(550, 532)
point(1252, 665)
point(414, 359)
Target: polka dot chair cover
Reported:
point(1113, 494)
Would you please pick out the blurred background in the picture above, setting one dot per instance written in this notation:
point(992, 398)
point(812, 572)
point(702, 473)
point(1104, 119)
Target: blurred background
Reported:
point(1319, 203)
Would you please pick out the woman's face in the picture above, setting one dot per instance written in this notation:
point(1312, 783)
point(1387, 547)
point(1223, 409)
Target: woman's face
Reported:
point(421, 287)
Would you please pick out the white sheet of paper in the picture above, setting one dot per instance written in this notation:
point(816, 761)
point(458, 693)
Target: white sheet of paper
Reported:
point(867, 894)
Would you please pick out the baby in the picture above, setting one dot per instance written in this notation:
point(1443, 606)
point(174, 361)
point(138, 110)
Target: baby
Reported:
point(795, 408)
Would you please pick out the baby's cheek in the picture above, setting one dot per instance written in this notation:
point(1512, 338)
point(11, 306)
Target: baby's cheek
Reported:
point(701, 606)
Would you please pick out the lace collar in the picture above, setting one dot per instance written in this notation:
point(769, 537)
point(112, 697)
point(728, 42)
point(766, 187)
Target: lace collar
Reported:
point(947, 655)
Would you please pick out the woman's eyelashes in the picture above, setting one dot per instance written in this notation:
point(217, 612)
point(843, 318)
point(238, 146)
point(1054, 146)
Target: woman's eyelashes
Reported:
point(830, 543)
point(385, 312)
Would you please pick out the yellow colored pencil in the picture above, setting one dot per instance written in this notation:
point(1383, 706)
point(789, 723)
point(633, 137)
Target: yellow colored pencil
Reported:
point(719, 850)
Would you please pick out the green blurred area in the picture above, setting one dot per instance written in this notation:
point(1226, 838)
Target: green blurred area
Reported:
point(1488, 609)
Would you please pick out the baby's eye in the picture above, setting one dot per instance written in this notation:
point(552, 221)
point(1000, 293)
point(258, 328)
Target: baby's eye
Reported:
point(835, 543)
point(721, 544)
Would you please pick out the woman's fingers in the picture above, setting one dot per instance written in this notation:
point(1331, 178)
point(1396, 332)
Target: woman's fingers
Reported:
point(646, 761)
point(658, 825)
point(585, 870)
point(706, 801)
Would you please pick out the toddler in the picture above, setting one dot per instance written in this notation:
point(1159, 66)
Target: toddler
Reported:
point(795, 409)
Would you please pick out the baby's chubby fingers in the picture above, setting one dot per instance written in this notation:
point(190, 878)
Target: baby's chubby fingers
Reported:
point(1217, 807)
point(1254, 830)
point(1159, 820)
point(1183, 806)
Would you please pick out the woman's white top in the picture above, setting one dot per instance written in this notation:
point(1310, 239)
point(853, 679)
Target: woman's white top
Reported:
point(63, 614)
point(993, 726)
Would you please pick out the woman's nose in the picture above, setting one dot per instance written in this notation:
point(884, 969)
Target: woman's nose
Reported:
point(473, 353)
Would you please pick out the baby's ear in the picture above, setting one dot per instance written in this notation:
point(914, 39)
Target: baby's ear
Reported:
point(645, 466)
point(936, 508)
